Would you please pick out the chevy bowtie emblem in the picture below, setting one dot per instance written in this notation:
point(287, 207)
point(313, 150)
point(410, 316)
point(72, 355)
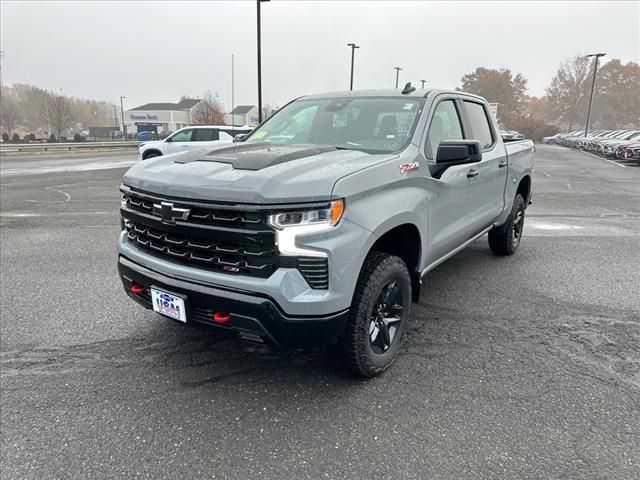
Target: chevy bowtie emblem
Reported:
point(169, 212)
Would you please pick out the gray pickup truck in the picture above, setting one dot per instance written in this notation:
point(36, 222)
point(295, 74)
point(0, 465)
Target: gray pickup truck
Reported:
point(318, 226)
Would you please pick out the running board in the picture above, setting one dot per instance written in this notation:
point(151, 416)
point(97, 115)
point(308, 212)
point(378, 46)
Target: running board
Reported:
point(433, 265)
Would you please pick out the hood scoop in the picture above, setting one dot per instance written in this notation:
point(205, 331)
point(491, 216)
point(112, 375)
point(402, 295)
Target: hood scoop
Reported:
point(257, 156)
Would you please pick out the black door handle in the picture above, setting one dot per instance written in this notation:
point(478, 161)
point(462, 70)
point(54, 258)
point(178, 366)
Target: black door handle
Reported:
point(502, 164)
point(472, 173)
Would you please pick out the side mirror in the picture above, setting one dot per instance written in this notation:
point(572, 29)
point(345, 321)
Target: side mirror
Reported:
point(458, 152)
point(168, 140)
point(239, 137)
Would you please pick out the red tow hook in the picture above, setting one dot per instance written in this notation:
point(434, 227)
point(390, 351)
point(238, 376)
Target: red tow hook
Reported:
point(137, 289)
point(221, 317)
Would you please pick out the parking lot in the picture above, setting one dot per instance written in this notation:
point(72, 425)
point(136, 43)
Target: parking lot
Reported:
point(519, 367)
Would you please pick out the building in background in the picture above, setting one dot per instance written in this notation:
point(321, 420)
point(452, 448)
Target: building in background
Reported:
point(242, 115)
point(161, 118)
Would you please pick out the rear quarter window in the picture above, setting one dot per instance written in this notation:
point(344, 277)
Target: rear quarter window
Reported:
point(480, 128)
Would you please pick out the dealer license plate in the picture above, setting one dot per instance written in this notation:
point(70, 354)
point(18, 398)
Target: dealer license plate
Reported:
point(169, 305)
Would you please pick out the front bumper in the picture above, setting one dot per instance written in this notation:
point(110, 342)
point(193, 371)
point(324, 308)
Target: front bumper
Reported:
point(254, 317)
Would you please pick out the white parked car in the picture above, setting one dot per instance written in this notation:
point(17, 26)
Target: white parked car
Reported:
point(189, 138)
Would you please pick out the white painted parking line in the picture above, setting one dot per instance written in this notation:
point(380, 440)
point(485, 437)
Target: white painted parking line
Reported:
point(605, 159)
point(587, 228)
point(86, 167)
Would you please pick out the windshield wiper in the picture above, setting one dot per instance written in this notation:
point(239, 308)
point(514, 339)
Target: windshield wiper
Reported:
point(360, 149)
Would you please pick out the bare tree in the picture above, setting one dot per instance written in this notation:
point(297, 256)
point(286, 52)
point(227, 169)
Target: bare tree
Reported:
point(59, 113)
point(268, 110)
point(9, 114)
point(568, 90)
point(210, 111)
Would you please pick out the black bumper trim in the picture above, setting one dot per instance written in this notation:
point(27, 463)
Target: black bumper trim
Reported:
point(253, 317)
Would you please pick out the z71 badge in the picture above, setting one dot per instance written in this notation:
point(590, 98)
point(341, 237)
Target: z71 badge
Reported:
point(409, 167)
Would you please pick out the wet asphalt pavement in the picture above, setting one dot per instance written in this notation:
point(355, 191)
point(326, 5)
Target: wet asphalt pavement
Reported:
point(522, 367)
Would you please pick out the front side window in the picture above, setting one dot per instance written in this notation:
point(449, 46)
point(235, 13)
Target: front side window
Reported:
point(445, 125)
point(479, 123)
point(182, 136)
point(372, 124)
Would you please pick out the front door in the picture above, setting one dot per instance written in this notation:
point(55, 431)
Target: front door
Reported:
point(179, 141)
point(451, 211)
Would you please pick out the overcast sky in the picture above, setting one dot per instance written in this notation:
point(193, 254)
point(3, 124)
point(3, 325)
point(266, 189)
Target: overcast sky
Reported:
point(155, 51)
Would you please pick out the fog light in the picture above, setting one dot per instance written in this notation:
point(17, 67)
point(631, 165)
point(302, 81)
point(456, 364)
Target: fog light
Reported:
point(137, 289)
point(221, 317)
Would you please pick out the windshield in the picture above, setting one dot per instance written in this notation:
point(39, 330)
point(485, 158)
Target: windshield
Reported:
point(371, 124)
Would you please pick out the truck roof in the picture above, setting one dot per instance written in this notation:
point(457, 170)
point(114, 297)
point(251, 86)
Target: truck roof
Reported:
point(388, 92)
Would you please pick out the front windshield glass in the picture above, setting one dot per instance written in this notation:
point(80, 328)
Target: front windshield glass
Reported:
point(372, 124)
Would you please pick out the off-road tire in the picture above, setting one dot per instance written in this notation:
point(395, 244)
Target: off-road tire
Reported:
point(506, 239)
point(378, 272)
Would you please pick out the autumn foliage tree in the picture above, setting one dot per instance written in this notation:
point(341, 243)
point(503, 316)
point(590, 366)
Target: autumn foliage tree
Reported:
point(210, 111)
point(499, 86)
point(616, 102)
point(568, 93)
point(616, 97)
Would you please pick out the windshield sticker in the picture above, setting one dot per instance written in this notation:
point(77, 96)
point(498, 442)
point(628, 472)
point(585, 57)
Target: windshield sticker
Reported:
point(408, 106)
point(260, 134)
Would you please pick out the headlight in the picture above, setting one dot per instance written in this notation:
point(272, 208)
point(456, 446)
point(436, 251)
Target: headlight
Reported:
point(329, 216)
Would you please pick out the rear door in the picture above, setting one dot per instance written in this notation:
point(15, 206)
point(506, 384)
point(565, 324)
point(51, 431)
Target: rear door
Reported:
point(203, 137)
point(487, 179)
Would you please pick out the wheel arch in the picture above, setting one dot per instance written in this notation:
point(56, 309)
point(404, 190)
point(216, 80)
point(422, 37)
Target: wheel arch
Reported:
point(146, 153)
point(524, 189)
point(404, 241)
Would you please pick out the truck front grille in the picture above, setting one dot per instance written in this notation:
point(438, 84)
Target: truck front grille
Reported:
point(228, 257)
point(229, 239)
point(225, 240)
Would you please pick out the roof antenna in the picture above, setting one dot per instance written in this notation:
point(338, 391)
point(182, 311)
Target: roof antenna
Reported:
point(408, 89)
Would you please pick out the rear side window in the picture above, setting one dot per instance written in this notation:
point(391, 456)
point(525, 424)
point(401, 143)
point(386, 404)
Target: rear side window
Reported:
point(445, 125)
point(480, 128)
point(205, 135)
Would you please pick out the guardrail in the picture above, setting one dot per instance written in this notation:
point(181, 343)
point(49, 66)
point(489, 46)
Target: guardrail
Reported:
point(51, 147)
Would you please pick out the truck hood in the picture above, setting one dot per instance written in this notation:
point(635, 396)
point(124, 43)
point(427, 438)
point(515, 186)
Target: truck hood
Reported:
point(255, 173)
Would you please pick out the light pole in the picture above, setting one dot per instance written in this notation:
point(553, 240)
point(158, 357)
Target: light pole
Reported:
point(124, 128)
point(353, 49)
point(233, 116)
point(1, 57)
point(258, 2)
point(397, 75)
point(423, 82)
point(593, 84)
point(115, 118)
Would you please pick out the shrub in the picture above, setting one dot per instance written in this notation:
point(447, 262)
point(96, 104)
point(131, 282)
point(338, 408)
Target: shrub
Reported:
point(534, 128)
point(5, 137)
point(15, 138)
point(52, 138)
point(31, 137)
point(78, 138)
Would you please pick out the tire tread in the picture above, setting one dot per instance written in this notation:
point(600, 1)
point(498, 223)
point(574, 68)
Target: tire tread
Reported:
point(355, 356)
